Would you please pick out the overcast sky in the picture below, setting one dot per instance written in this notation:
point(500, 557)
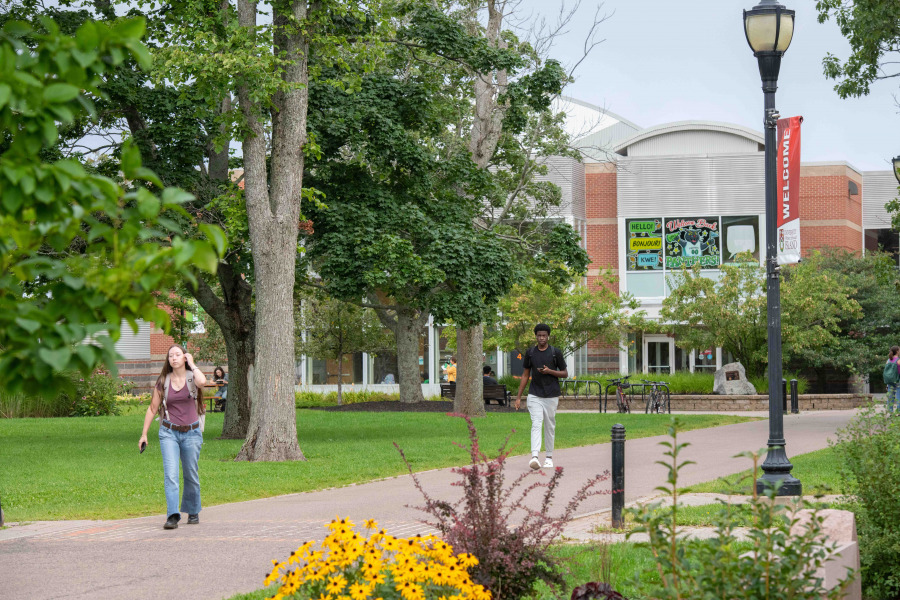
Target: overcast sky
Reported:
point(677, 60)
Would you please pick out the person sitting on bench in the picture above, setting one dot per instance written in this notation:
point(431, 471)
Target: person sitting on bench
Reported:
point(220, 378)
point(486, 376)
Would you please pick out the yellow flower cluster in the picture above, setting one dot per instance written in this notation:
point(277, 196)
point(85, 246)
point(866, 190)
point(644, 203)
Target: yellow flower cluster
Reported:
point(375, 566)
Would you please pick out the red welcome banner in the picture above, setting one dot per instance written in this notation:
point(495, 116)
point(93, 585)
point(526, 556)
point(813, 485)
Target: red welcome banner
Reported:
point(788, 190)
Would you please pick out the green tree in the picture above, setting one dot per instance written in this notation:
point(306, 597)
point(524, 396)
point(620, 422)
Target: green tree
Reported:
point(872, 27)
point(331, 329)
point(394, 231)
point(576, 316)
point(437, 263)
point(864, 336)
point(731, 312)
point(71, 241)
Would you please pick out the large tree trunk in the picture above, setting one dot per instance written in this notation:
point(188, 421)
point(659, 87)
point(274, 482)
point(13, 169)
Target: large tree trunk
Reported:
point(406, 325)
point(238, 404)
point(407, 334)
point(487, 126)
point(234, 315)
point(273, 214)
point(469, 398)
point(340, 377)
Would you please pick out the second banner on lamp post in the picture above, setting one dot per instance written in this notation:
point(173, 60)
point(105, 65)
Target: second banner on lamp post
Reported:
point(788, 241)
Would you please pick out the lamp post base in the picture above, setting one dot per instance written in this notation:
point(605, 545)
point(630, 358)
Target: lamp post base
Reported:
point(777, 474)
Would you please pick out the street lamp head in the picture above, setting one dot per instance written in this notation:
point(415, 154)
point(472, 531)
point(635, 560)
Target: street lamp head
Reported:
point(896, 163)
point(769, 27)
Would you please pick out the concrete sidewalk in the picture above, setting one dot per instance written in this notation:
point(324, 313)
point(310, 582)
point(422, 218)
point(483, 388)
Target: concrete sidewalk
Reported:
point(230, 551)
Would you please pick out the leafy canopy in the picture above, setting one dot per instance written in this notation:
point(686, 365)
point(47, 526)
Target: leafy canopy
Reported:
point(873, 29)
point(731, 312)
point(78, 252)
point(576, 316)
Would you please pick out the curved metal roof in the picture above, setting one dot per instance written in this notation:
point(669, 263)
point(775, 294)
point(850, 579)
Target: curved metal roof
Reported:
point(667, 128)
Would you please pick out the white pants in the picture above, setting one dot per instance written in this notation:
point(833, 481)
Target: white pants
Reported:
point(543, 412)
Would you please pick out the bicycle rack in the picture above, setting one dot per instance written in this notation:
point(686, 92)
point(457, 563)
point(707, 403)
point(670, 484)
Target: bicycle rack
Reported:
point(571, 387)
point(585, 388)
point(632, 391)
point(662, 386)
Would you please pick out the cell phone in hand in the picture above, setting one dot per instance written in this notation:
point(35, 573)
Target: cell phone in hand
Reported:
point(143, 447)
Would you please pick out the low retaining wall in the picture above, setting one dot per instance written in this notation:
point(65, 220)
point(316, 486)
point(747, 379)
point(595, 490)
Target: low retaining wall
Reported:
point(714, 403)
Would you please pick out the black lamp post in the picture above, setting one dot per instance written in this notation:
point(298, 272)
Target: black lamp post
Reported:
point(769, 28)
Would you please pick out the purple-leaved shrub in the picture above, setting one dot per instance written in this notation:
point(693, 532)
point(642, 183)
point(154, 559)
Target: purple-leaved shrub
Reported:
point(500, 524)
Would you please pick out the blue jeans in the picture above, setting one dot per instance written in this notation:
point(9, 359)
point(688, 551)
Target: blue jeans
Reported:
point(892, 396)
point(184, 447)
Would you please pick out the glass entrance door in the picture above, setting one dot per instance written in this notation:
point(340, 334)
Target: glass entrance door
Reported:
point(659, 351)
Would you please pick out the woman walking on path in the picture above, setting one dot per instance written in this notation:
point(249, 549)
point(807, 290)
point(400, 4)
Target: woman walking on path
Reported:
point(178, 399)
point(892, 379)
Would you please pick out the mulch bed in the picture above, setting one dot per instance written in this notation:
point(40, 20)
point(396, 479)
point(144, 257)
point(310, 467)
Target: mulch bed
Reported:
point(397, 406)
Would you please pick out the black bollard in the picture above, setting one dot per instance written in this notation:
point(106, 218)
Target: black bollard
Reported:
point(618, 475)
point(795, 399)
point(784, 396)
point(1, 515)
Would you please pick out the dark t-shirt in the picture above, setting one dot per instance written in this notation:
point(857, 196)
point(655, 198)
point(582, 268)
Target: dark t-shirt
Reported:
point(544, 385)
point(488, 380)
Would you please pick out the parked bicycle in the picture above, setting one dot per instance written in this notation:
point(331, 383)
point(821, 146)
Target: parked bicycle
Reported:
point(623, 404)
point(658, 399)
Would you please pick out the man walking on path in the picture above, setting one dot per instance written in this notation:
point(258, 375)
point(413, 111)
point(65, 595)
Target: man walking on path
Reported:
point(545, 365)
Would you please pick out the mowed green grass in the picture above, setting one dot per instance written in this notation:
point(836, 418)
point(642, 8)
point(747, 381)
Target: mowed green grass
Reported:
point(90, 468)
point(818, 471)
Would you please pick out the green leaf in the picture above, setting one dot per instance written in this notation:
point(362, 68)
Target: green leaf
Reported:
point(141, 55)
point(131, 28)
point(216, 236)
point(58, 359)
point(148, 204)
point(5, 92)
point(131, 160)
point(86, 36)
point(60, 92)
point(176, 196)
point(28, 325)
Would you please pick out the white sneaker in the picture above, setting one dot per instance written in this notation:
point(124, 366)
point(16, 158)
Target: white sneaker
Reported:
point(535, 464)
point(548, 463)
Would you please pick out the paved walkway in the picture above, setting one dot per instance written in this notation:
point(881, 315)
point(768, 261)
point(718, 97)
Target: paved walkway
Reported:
point(230, 551)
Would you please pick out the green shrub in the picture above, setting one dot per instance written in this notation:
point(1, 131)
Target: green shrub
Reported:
point(761, 383)
point(870, 450)
point(784, 554)
point(512, 384)
point(95, 395)
point(307, 399)
point(681, 382)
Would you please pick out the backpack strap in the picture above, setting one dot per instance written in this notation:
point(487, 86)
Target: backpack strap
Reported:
point(166, 397)
point(190, 383)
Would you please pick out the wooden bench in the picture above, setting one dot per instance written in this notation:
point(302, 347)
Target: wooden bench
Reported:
point(495, 393)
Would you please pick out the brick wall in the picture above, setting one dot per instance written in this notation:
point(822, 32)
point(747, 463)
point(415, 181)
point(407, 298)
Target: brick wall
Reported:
point(829, 215)
point(601, 237)
point(159, 344)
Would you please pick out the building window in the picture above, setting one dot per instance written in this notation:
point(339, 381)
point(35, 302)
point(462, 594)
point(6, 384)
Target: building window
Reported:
point(655, 247)
point(740, 234)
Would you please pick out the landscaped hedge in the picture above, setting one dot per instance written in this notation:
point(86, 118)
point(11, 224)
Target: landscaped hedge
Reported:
point(679, 383)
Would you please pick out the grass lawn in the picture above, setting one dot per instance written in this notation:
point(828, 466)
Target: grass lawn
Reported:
point(819, 472)
point(89, 468)
point(581, 563)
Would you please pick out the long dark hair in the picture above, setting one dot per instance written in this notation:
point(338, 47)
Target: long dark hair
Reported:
point(216, 372)
point(161, 383)
point(895, 350)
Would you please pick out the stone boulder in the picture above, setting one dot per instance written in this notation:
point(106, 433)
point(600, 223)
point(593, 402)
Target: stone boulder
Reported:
point(731, 380)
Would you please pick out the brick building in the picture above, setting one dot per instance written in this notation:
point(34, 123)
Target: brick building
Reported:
point(698, 183)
